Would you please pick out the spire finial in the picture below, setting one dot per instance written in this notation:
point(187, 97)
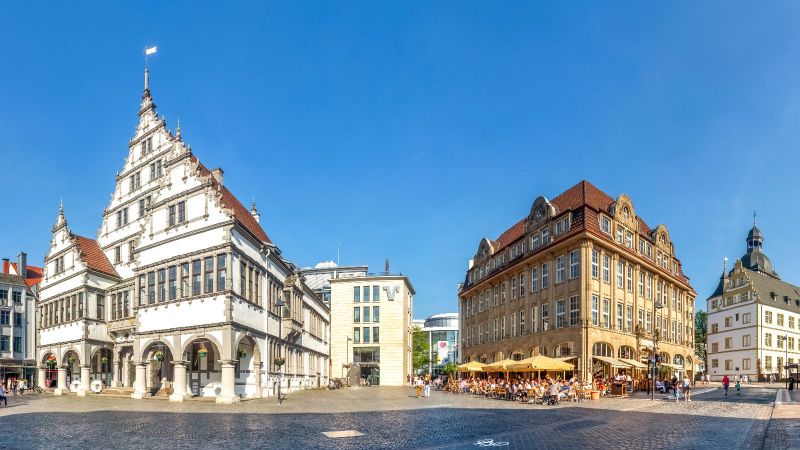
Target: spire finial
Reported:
point(754, 217)
point(725, 265)
point(178, 130)
point(61, 205)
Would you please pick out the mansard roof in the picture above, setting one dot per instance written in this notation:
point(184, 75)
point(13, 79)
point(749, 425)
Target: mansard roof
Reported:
point(94, 257)
point(240, 213)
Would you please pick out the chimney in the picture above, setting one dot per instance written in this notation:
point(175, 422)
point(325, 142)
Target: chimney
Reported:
point(5, 266)
point(217, 173)
point(22, 265)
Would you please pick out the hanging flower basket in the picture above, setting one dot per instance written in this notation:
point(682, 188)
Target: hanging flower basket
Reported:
point(51, 360)
point(242, 354)
point(202, 351)
point(104, 359)
point(72, 359)
point(279, 361)
point(158, 356)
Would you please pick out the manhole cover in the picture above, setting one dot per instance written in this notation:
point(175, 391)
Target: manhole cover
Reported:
point(342, 434)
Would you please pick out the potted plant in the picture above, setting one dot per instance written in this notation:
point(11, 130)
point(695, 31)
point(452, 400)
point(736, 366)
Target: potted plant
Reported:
point(242, 353)
point(51, 360)
point(158, 356)
point(72, 359)
point(104, 359)
point(279, 361)
point(202, 351)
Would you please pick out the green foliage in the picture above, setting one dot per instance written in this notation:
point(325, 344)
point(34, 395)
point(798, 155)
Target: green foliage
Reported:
point(701, 335)
point(450, 369)
point(421, 354)
point(664, 372)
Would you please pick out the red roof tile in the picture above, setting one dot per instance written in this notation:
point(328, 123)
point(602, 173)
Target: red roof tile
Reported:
point(94, 257)
point(34, 274)
point(240, 213)
point(578, 196)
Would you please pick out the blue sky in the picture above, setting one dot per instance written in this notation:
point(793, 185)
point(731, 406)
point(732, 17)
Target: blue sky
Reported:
point(413, 129)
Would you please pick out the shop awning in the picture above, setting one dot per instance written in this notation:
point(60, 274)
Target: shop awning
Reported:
point(634, 363)
point(613, 362)
point(567, 358)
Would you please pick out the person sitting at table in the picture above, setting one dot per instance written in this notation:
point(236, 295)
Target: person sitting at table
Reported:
point(660, 387)
point(552, 393)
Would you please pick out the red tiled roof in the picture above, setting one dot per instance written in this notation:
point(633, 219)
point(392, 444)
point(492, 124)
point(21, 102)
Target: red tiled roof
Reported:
point(240, 213)
point(582, 194)
point(592, 200)
point(34, 274)
point(94, 257)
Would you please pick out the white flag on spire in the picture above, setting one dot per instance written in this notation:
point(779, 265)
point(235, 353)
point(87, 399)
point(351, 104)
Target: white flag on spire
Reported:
point(150, 50)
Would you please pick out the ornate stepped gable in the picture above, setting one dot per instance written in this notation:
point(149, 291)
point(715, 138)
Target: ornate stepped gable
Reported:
point(585, 203)
point(155, 148)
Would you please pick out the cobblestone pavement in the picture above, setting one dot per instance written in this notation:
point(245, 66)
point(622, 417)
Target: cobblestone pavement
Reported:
point(391, 418)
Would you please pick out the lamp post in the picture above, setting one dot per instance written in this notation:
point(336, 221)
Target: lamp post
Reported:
point(656, 306)
point(279, 303)
point(786, 358)
point(347, 356)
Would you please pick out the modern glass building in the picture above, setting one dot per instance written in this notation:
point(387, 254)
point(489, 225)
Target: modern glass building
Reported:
point(442, 330)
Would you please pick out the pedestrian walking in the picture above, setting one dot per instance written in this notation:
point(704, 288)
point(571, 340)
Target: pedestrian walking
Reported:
point(725, 383)
point(687, 390)
point(418, 382)
point(3, 395)
point(427, 385)
point(738, 387)
point(15, 387)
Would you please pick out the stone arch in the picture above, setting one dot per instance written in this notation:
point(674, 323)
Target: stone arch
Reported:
point(146, 348)
point(603, 349)
point(564, 349)
point(484, 358)
point(188, 341)
point(157, 354)
point(664, 357)
point(98, 349)
point(71, 353)
point(516, 354)
point(678, 360)
point(626, 351)
point(538, 350)
point(49, 358)
point(248, 373)
point(467, 359)
point(203, 369)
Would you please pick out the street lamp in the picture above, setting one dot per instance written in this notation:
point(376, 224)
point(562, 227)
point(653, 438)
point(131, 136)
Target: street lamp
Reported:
point(279, 303)
point(786, 358)
point(656, 306)
point(346, 355)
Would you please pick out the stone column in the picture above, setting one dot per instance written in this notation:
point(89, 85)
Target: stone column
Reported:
point(179, 381)
point(41, 377)
point(126, 370)
point(62, 381)
point(85, 385)
point(227, 393)
point(139, 386)
point(257, 368)
point(115, 375)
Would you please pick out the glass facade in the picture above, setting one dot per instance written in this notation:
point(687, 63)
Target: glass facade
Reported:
point(442, 331)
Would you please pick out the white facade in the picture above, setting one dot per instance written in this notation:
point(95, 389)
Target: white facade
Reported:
point(753, 319)
point(177, 295)
point(17, 304)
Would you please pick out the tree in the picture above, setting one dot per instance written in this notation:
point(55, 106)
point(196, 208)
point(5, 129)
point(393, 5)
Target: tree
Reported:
point(700, 336)
point(421, 353)
point(450, 369)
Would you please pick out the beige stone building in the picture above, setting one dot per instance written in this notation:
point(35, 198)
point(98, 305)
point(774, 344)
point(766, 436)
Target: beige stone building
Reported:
point(371, 324)
point(581, 276)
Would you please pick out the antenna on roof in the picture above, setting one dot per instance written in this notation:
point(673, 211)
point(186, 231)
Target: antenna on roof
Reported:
point(754, 217)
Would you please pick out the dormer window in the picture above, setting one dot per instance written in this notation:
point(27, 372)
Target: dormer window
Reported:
point(545, 236)
point(605, 224)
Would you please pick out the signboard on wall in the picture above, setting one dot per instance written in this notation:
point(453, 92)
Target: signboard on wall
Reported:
point(443, 352)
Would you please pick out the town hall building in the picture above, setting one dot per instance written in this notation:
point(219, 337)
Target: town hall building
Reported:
point(181, 292)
